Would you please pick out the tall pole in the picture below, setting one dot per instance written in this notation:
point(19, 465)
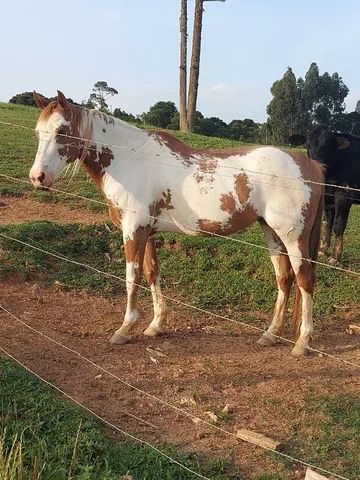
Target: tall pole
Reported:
point(195, 65)
point(183, 67)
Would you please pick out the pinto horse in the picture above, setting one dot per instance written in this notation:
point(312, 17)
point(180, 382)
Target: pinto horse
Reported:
point(154, 183)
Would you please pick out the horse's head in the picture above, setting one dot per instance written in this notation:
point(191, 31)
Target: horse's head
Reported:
point(58, 132)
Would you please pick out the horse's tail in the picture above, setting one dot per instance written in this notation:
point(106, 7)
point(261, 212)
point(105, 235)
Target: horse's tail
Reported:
point(314, 243)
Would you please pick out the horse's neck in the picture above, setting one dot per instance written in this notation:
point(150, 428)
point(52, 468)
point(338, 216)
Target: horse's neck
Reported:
point(122, 138)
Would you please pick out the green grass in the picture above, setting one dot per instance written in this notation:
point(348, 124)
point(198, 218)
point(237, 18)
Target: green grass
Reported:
point(64, 442)
point(329, 434)
point(211, 273)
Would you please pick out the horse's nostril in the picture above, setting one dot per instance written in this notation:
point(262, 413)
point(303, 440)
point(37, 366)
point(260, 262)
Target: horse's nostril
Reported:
point(41, 177)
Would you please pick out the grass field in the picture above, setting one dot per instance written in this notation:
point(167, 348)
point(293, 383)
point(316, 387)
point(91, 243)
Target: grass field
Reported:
point(58, 441)
point(195, 269)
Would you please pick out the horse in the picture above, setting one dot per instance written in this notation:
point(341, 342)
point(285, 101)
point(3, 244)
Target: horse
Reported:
point(153, 183)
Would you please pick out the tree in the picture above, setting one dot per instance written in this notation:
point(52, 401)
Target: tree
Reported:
point(324, 96)
point(27, 98)
point(348, 122)
point(244, 130)
point(99, 96)
point(127, 117)
point(357, 108)
point(188, 105)
point(284, 109)
point(161, 114)
point(213, 127)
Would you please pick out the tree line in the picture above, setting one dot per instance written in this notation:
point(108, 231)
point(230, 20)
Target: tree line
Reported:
point(296, 105)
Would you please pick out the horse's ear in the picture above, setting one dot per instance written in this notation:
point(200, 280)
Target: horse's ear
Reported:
point(62, 100)
point(41, 102)
point(297, 140)
point(342, 143)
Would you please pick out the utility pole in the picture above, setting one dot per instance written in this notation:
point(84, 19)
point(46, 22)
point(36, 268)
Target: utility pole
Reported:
point(188, 105)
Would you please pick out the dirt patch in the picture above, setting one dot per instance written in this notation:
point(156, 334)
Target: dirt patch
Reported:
point(19, 210)
point(204, 369)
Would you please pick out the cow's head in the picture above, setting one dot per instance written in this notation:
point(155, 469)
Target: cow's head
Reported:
point(57, 131)
point(321, 143)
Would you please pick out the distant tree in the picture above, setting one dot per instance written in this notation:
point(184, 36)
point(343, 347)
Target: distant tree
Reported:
point(244, 130)
point(127, 117)
point(324, 96)
point(348, 122)
point(100, 95)
point(213, 127)
point(297, 104)
point(357, 108)
point(26, 98)
point(161, 114)
point(284, 108)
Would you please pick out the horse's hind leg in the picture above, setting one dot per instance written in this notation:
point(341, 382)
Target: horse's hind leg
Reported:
point(284, 277)
point(303, 312)
point(151, 270)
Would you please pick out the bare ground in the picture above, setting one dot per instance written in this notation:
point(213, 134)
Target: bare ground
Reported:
point(206, 366)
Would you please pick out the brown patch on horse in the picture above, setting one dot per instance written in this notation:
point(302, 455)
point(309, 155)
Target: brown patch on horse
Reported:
point(190, 154)
point(70, 148)
point(135, 247)
point(228, 152)
point(163, 203)
point(239, 218)
point(209, 226)
point(67, 136)
point(205, 170)
point(151, 267)
point(96, 162)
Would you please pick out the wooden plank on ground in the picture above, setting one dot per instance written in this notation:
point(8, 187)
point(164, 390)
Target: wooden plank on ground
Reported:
point(311, 475)
point(259, 439)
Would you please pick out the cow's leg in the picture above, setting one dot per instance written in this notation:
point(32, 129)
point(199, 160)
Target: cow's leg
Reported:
point(152, 273)
point(342, 210)
point(329, 214)
point(284, 277)
point(134, 244)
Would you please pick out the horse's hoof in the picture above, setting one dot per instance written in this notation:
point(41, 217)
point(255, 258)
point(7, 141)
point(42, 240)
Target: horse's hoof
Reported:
point(299, 350)
point(120, 339)
point(153, 331)
point(333, 261)
point(266, 340)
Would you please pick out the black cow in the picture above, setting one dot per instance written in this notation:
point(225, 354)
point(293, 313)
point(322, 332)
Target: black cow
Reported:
point(340, 154)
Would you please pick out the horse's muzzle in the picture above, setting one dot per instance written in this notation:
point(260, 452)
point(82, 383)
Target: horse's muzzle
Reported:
point(41, 181)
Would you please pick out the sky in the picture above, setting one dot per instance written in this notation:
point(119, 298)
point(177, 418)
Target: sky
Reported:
point(133, 45)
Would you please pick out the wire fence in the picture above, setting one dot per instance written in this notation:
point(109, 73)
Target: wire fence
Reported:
point(346, 188)
point(182, 411)
point(195, 230)
point(176, 301)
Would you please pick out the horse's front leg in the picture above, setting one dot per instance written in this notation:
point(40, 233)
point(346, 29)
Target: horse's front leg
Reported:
point(152, 273)
point(134, 245)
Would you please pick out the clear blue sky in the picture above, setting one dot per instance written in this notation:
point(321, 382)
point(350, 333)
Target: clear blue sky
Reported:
point(134, 46)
